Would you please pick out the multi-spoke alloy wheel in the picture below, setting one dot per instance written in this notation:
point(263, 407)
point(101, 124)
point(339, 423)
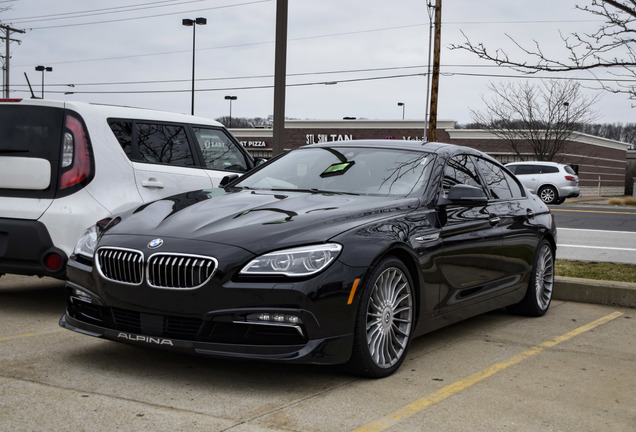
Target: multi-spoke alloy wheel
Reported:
point(385, 320)
point(544, 277)
point(539, 294)
point(389, 317)
point(548, 195)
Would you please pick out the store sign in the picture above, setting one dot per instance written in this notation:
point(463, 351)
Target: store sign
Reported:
point(253, 143)
point(323, 138)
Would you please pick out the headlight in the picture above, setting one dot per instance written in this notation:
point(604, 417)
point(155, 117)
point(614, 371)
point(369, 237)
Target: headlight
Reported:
point(86, 244)
point(302, 261)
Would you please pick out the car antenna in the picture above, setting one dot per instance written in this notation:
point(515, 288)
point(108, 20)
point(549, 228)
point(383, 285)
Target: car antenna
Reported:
point(33, 96)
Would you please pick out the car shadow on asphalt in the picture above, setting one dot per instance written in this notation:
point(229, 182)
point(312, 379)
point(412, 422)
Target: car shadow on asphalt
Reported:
point(38, 296)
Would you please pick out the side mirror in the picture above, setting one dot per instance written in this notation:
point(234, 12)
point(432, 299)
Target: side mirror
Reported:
point(259, 161)
point(466, 194)
point(227, 179)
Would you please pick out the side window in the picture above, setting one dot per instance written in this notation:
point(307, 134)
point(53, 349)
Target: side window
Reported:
point(515, 188)
point(495, 179)
point(526, 169)
point(163, 144)
point(123, 132)
point(549, 169)
point(219, 152)
point(460, 170)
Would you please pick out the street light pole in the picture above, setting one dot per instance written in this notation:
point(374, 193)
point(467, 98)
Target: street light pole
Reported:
point(230, 98)
point(188, 22)
point(43, 69)
point(403, 105)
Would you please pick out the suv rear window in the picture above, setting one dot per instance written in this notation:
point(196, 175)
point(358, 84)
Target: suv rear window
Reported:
point(548, 169)
point(32, 132)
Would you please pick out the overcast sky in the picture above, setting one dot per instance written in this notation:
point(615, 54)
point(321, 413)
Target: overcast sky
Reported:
point(138, 53)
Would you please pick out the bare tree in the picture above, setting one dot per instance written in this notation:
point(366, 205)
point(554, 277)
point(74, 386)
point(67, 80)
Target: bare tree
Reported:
point(536, 119)
point(611, 47)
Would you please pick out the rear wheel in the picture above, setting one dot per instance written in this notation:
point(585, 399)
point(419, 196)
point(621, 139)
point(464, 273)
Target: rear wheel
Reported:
point(384, 321)
point(539, 294)
point(548, 195)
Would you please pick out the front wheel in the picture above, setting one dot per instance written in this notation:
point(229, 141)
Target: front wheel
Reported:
point(384, 321)
point(539, 294)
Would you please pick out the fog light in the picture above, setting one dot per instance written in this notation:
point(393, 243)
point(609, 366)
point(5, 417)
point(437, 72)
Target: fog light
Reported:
point(81, 295)
point(275, 318)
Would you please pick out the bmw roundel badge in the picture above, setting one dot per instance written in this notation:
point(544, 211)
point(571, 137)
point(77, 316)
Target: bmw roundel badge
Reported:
point(155, 243)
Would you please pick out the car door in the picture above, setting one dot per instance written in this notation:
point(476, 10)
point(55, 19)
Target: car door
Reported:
point(516, 225)
point(164, 162)
point(470, 264)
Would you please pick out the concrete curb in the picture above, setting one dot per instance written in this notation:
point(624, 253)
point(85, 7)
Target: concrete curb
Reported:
point(594, 291)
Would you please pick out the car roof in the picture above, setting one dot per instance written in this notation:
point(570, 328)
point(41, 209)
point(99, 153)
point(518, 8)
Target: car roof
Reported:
point(115, 111)
point(442, 149)
point(535, 163)
point(429, 147)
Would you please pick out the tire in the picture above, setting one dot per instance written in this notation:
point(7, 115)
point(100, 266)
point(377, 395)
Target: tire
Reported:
point(384, 322)
point(540, 288)
point(548, 194)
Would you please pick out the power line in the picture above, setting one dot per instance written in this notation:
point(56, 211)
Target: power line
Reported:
point(340, 81)
point(150, 16)
point(105, 11)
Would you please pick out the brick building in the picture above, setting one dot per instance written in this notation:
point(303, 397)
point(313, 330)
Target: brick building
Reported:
point(601, 162)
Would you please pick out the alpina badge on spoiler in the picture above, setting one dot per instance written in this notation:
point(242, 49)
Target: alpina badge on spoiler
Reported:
point(147, 339)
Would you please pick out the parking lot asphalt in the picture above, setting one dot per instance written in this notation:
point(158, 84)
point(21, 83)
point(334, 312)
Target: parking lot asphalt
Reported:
point(572, 369)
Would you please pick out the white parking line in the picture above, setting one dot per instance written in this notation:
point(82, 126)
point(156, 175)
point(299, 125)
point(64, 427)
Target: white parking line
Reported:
point(596, 247)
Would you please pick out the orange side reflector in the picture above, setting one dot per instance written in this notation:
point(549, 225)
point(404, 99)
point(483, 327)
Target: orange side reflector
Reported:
point(353, 291)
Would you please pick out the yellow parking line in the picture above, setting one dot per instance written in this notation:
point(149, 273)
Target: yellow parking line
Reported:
point(454, 388)
point(591, 211)
point(27, 335)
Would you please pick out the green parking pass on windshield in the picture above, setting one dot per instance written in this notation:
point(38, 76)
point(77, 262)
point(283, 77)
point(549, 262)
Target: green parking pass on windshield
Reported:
point(337, 169)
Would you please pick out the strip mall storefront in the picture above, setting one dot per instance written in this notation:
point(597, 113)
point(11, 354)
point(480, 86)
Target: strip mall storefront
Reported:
point(601, 162)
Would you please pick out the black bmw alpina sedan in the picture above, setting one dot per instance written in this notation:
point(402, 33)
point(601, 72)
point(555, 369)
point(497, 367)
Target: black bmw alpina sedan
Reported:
point(331, 253)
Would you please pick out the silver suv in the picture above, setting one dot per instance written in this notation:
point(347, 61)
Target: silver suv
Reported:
point(552, 182)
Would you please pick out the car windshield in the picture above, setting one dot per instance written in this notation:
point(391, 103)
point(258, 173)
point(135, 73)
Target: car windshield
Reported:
point(346, 170)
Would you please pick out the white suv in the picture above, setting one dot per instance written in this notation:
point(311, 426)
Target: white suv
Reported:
point(552, 182)
point(66, 165)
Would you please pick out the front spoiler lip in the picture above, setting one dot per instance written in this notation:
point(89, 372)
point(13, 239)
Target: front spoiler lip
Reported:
point(331, 350)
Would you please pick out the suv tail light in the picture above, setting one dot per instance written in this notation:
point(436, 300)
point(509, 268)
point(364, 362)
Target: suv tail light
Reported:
point(76, 158)
point(570, 178)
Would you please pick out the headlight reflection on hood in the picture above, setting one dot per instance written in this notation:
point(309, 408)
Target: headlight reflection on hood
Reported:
point(301, 261)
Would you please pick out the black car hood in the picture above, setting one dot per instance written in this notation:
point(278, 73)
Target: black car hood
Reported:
point(258, 220)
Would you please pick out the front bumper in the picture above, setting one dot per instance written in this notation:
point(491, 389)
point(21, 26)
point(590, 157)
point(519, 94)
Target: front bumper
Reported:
point(217, 320)
point(333, 350)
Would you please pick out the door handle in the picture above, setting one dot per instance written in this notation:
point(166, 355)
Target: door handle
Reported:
point(494, 220)
point(529, 213)
point(152, 183)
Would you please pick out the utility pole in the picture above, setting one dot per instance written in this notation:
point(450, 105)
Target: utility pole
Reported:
point(280, 72)
point(432, 122)
point(8, 40)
